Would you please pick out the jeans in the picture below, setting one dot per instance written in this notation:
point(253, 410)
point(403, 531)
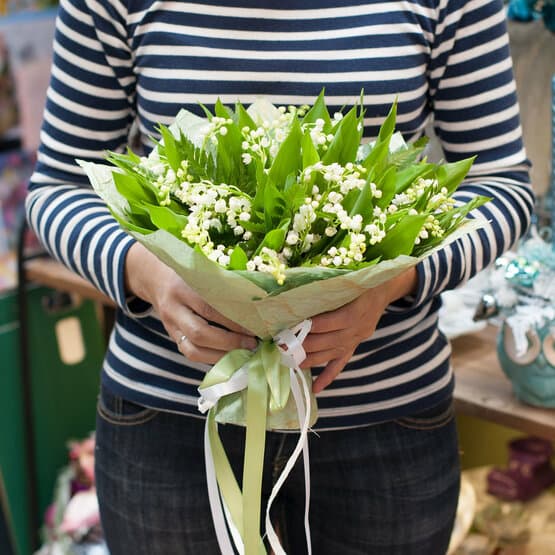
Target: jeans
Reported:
point(387, 489)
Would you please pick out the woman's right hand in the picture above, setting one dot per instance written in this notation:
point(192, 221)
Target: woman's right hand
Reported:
point(182, 311)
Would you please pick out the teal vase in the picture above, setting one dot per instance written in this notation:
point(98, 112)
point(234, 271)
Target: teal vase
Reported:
point(532, 373)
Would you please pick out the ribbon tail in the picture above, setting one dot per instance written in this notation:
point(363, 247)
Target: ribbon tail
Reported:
point(306, 458)
point(255, 442)
point(303, 411)
point(232, 498)
point(218, 517)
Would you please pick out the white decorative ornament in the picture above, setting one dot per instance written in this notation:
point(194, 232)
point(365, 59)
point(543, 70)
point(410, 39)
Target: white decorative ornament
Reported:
point(549, 347)
point(514, 350)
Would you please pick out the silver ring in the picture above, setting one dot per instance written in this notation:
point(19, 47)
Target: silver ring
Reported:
point(181, 340)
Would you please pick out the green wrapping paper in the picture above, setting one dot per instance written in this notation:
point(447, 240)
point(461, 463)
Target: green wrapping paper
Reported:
point(265, 311)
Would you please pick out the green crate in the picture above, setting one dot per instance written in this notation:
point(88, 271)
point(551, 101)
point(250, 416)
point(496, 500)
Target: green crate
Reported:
point(63, 394)
point(12, 441)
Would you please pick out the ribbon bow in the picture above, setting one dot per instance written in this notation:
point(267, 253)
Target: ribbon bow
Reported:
point(231, 508)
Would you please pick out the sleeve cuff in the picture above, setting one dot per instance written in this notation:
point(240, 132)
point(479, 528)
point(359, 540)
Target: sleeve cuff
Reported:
point(422, 294)
point(131, 305)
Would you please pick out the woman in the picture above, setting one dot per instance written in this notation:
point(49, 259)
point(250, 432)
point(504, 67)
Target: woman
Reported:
point(385, 467)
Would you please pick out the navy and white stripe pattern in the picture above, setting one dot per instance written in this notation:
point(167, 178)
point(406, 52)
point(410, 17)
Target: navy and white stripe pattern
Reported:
point(117, 62)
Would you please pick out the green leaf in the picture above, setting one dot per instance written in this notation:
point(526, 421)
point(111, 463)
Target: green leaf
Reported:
point(451, 175)
point(274, 240)
point(169, 149)
point(221, 111)
point(421, 204)
point(449, 222)
point(350, 200)
point(230, 167)
point(261, 175)
point(243, 117)
point(377, 157)
point(201, 162)
point(344, 147)
point(289, 157)
point(238, 259)
point(407, 176)
point(126, 162)
point(130, 187)
point(274, 206)
point(319, 110)
point(254, 227)
point(206, 111)
point(405, 157)
point(387, 186)
point(364, 204)
point(388, 126)
point(310, 152)
point(295, 277)
point(399, 239)
point(164, 218)
point(128, 223)
point(139, 215)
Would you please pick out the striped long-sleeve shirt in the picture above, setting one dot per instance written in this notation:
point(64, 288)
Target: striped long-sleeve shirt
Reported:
point(121, 61)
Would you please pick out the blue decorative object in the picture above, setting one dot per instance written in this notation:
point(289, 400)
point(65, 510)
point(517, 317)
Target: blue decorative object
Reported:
point(528, 10)
point(521, 10)
point(522, 272)
point(532, 372)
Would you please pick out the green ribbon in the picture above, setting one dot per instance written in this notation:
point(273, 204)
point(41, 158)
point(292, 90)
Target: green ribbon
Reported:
point(266, 399)
point(264, 374)
point(257, 407)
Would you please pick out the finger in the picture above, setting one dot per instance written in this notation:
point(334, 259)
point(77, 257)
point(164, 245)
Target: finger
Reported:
point(330, 372)
point(321, 357)
point(199, 354)
point(332, 321)
point(212, 315)
point(203, 334)
point(325, 341)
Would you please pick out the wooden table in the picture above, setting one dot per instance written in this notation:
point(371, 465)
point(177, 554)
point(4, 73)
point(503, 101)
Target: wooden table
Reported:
point(481, 390)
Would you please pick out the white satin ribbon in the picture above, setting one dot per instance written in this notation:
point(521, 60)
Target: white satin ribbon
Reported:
point(302, 445)
point(209, 396)
point(216, 503)
point(289, 343)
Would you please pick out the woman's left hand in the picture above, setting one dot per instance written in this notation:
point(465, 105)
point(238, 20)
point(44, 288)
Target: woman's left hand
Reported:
point(335, 335)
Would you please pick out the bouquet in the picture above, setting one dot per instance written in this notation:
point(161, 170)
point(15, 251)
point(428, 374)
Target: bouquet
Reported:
point(275, 214)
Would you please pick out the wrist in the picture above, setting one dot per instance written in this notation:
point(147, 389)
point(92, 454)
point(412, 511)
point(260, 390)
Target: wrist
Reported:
point(404, 284)
point(138, 258)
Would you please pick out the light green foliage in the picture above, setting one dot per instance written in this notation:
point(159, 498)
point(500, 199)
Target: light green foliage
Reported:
point(268, 189)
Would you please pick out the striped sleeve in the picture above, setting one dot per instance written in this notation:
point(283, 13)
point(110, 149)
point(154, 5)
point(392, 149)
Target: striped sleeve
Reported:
point(476, 113)
point(89, 109)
